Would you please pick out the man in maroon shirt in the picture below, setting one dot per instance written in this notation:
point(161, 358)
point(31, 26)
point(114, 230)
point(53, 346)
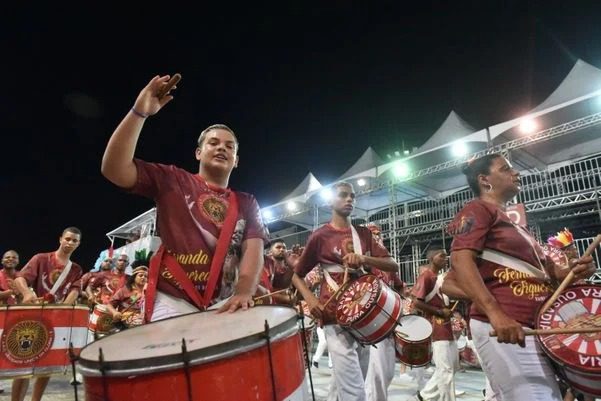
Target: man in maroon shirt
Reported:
point(54, 278)
point(212, 237)
point(428, 298)
point(338, 247)
point(277, 271)
point(107, 281)
point(8, 293)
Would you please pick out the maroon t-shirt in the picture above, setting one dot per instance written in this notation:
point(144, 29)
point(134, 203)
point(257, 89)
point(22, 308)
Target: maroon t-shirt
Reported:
point(481, 225)
point(442, 329)
point(328, 245)
point(124, 299)
point(279, 272)
point(390, 278)
point(6, 283)
point(42, 271)
point(190, 214)
point(107, 282)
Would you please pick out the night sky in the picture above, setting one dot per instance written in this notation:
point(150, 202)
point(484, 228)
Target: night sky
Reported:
point(307, 86)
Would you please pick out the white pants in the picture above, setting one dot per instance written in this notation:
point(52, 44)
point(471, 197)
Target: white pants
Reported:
point(350, 361)
point(515, 373)
point(381, 370)
point(166, 306)
point(441, 386)
point(321, 346)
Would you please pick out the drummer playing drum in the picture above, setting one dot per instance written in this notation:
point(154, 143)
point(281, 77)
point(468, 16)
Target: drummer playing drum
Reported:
point(340, 247)
point(55, 279)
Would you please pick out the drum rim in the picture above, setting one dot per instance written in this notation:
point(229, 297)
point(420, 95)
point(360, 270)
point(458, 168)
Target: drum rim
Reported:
point(420, 318)
point(287, 328)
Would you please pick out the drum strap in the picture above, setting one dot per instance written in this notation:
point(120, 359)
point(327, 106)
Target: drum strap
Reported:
point(61, 278)
point(513, 263)
point(436, 291)
point(171, 264)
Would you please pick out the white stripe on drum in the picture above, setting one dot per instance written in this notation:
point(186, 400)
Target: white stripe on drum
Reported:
point(64, 335)
point(301, 393)
point(381, 317)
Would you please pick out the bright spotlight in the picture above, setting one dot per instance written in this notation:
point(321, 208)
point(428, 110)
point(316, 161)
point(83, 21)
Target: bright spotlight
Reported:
point(459, 149)
point(291, 206)
point(528, 126)
point(267, 214)
point(326, 194)
point(361, 182)
point(400, 170)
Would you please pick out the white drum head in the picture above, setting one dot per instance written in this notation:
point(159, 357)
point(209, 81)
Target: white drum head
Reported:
point(415, 328)
point(209, 336)
point(461, 342)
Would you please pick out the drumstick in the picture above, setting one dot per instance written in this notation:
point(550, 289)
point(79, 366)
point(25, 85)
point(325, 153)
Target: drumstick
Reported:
point(568, 279)
point(345, 274)
point(454, 306)
point(170, 84)
point(269, 294)
point(559, 330)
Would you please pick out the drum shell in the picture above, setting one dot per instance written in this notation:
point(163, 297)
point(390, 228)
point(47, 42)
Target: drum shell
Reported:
point(239, 369)
point(55, 328)
point(101, 320)
point(377, 318)
point(575, 357)
point(414, 350)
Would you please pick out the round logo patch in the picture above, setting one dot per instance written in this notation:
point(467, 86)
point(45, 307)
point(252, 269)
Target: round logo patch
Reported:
point(213, 208)
point(26, 341)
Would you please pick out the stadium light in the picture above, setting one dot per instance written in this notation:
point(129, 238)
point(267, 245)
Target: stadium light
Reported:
point(528, 126)
point(400, 170)
point(291, 206)
point(267, 214)
point(361, 182)
point(459, 148)
point(326, 194)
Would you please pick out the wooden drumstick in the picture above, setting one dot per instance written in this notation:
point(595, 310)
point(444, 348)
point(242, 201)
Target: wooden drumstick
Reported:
point(568, 279)
point(270, 294)
point(454, 306)
point(170, 84)
point(559, 330)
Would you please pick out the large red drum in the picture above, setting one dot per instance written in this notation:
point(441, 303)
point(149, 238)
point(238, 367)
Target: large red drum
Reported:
point(35, 339)
point(231, 356)
point(368, 308)
point(101, 320)
point(413, 341)
point(577, 357)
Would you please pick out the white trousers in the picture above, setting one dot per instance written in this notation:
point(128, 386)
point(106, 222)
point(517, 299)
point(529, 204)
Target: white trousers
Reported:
point(350, 360)
point(515, 373)
point(321, 346)
point(441, 386)
point(381, 370)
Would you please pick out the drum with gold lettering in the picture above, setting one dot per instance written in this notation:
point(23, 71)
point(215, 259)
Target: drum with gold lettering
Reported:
point(576, 357)
point(368, 308)
point(248, 355)
point(35, 339)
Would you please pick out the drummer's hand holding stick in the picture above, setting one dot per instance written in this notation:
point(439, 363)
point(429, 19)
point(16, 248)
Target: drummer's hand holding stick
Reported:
point(580, 268)
point(315, 308)
point(22, 288)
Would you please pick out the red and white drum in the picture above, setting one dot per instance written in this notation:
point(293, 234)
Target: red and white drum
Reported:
point(577, 357)
point(229, 358)
point(413, 341)
point(368, 308)
point(35, 339)
point(101, 320)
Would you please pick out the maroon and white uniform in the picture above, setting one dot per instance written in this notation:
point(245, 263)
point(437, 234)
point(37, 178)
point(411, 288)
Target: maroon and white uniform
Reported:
point(5, 285)
point(482, 226)
point(515, 277)
point(327, 246)
point(107, 283)
point(42, 271)
point(190, 214)
point(280, 273)
point(442, 329)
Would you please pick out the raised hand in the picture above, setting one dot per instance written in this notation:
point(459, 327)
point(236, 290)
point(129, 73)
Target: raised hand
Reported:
point(149, 101)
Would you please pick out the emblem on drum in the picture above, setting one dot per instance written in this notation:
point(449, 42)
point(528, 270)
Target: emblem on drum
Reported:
point(26, 341)
point(358, 297)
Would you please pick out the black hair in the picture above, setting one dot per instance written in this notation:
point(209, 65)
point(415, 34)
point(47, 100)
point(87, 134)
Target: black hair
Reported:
point(473, 168)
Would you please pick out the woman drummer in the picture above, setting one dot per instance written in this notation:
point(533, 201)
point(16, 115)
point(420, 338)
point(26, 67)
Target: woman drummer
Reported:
point(126, 304)
point(504, 271)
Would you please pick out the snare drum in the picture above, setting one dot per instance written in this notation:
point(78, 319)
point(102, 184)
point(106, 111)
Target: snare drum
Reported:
point(368, 308)
point(35, 339)
point(576, 357)
point(231, 356)
point(413, 341)
point(101, 320)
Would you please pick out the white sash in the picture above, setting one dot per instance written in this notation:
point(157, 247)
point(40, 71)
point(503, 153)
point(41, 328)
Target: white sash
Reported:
point(61, 278)
point(436, 290)
point(335, 268)
point(513, 263)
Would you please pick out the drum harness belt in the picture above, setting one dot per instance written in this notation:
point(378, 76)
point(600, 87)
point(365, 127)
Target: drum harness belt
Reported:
point(511, 262)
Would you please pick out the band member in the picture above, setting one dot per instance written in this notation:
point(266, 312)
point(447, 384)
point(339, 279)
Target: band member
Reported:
point(428, 298)
point(127, 304)
point(494, 262)
point(212, 237)
point(103, 284)
point(341, 249)
point(382, 357)
point(8, 291)
point(277, 272)
point(56, 279)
